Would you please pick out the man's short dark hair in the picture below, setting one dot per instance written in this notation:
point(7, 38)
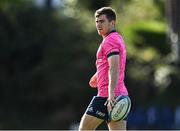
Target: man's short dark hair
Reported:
point(108, 11)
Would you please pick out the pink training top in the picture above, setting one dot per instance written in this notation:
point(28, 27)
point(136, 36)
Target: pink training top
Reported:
point(111, 45)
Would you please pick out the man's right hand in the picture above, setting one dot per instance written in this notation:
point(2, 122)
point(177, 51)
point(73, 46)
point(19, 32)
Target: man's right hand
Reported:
point(93, 81)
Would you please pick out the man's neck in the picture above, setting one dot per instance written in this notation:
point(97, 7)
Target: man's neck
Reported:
point(111, 31)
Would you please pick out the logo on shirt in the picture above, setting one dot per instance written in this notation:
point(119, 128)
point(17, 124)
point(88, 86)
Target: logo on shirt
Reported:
point(99, 55)
point(99, 60)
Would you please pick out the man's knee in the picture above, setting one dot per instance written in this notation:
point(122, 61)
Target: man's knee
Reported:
point(89, 123)
point(120, 125)
point(85, 124)
point(81, 127)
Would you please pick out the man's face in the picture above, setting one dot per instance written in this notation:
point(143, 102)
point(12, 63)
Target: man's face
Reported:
point(103, 25)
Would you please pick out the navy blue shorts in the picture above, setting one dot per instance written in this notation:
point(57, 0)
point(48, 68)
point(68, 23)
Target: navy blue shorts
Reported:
point(97, 108)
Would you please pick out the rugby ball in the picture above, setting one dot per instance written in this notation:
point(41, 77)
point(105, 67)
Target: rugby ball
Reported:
point(120, 109)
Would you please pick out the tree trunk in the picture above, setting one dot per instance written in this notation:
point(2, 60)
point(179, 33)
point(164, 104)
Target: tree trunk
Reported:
point(173, 19)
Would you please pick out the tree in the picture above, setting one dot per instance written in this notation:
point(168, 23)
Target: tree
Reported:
point(173, 18)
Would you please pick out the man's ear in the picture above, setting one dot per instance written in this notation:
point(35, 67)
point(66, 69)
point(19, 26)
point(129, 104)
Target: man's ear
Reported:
point(113, 22)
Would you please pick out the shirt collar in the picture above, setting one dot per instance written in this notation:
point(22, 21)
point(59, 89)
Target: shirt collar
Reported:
point(112, 31)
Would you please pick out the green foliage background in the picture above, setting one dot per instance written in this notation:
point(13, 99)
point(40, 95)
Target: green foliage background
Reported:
point(47, 57)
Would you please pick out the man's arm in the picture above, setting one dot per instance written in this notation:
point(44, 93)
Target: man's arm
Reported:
point(113, 75)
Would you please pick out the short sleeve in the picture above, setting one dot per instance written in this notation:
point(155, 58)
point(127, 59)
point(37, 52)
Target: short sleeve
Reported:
point(110, 49)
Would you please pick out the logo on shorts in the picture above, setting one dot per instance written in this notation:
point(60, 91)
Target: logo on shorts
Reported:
point(100, 113)
point(90, 109)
